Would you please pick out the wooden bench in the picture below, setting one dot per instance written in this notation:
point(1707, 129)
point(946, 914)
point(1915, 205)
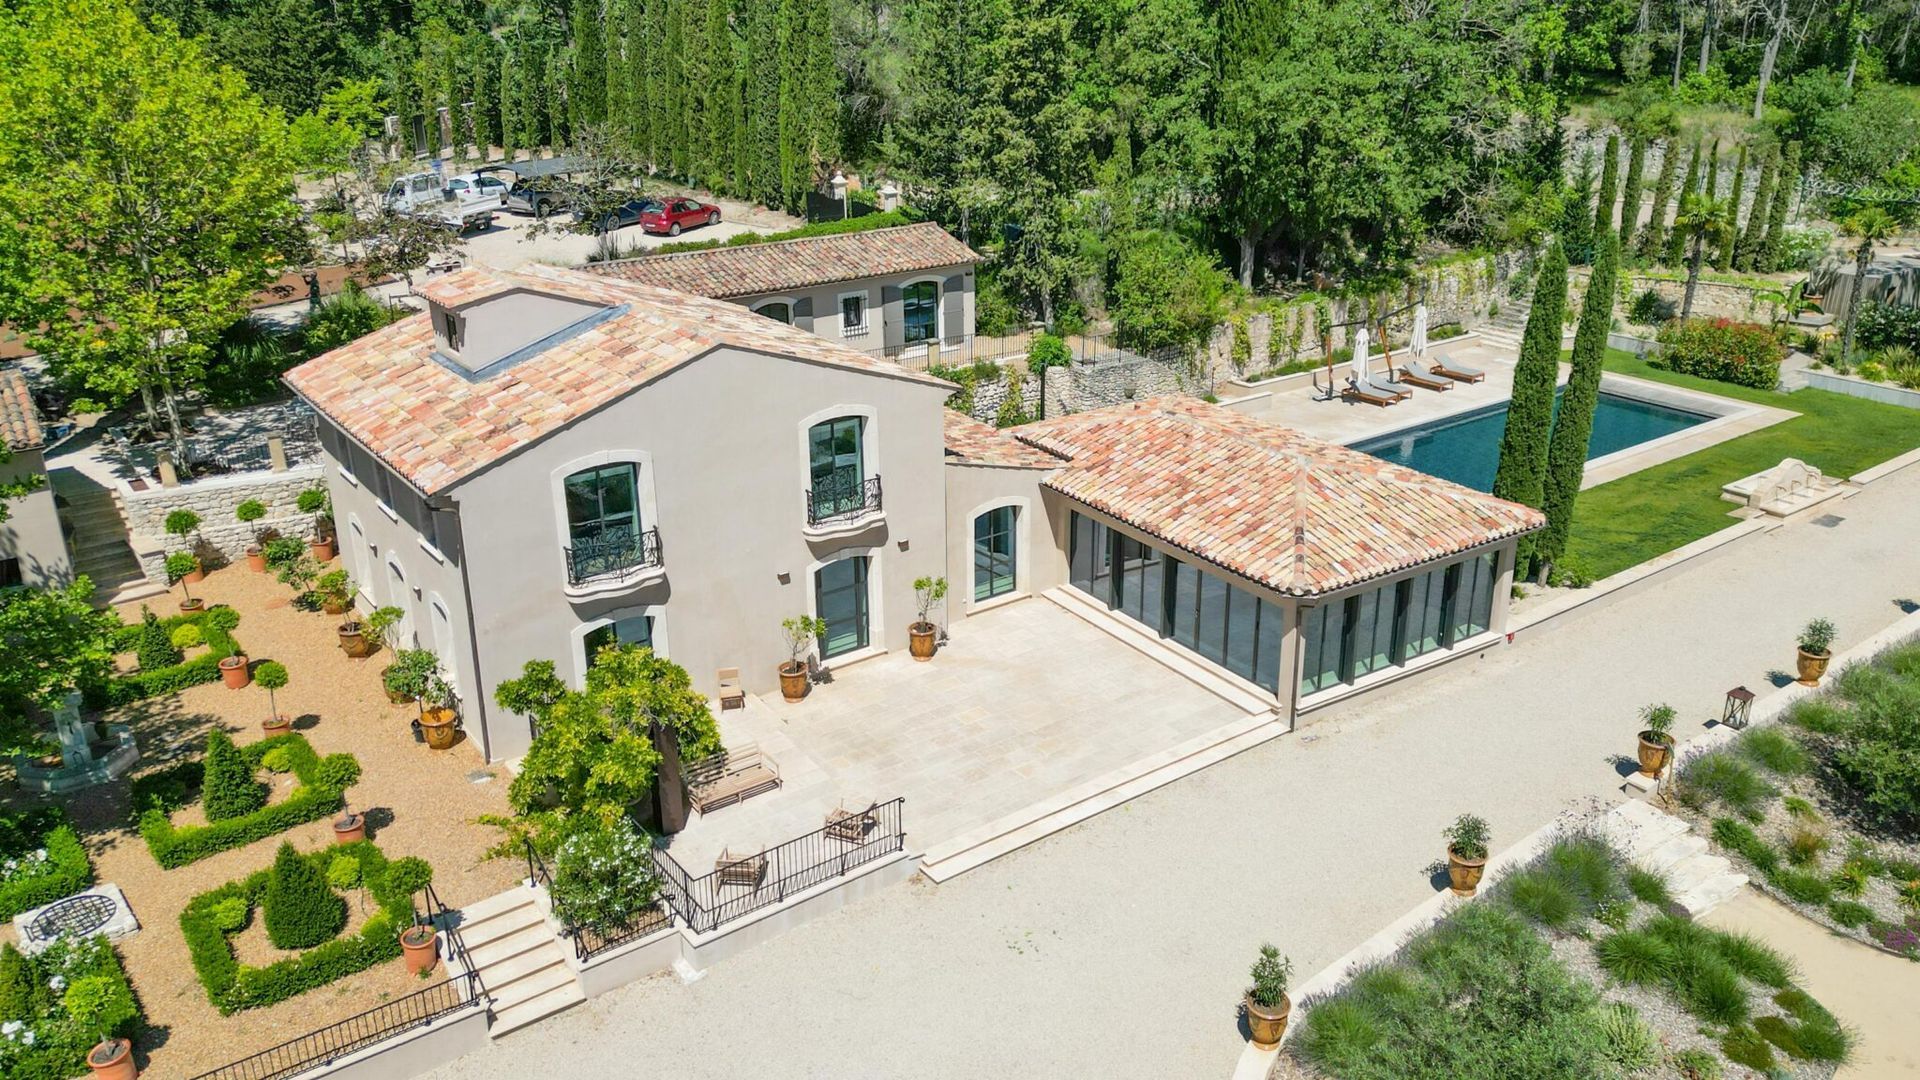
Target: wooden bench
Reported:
point(852, 826)
point(748, 870)
point(732, 696)
point(730, 776)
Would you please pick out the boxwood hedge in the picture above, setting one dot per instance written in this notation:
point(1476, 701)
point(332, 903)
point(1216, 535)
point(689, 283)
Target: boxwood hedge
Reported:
point(205, 668)
point(58, 1048)
point(68, 871)
point(232, 986)
point(323, 784)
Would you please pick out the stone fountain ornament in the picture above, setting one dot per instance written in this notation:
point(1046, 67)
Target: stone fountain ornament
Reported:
point(84, 761)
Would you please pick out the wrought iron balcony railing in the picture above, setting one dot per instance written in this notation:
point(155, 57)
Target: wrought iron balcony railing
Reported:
point(842, 496)
point(618, 555)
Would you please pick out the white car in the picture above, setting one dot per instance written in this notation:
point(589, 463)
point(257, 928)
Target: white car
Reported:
point(477, 187)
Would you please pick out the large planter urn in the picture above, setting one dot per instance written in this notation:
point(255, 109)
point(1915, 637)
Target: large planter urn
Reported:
point(197, 575)
point(276, 725)
point(233, 672)
point(793, 680)
point(349, 827)
point(112, 1059)
point(192, 604)
point(437, 726)
point(256, 559)
point(921, 640)
point(1655, 752)
point(1813, 666)
point(1463, 875)
point(334, 605)
point(353, 641)
point(1268, 1024)
point(321, 549)
point(420, 945)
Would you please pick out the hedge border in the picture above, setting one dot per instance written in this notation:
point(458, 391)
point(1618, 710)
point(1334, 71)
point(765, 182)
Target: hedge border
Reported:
point(233, 987)
point(73, 872)
point(322, 790)
point(205, 668)
point(60, 1058)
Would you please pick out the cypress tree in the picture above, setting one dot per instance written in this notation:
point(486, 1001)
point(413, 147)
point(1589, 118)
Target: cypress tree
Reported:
point(695, 58)
point(227, 787)
point(1653, 239)
point(484, 60)
point(639, 59)
point(1768, 258)
point(1731, 234)
point(1711, 189)
point(795, 170)
point(762, 107)
point(556, 98)
point(1603, 207)
point(1521, 476)
point(587, 82)
point(723, 96)
point(154, 648)
point(509, 85)
point(618, 99)
point(1748, 249)
point(670, 124)
point(1630, 190)
point(300, 910)
point(1576, 217)
point(1573, 428)
point(1676, 243)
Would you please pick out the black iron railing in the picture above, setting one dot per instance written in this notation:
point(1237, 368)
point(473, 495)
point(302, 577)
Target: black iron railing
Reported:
point(705, 903)
point(591, 942)
point(320, 1048)
point(842, 495)
point(617, 554)
point(452, 946)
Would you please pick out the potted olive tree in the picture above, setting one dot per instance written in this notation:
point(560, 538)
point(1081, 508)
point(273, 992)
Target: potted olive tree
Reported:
point(97, 1003)
point(802, 631)
point(316, 502)
point(439, 711)
point(273, 676)
point(184, 523)
point(248, 513)
point(334, 591)
point(1816, 645)
point(182, 567)
point(1267, 1003)
point(1467, 841)
point(358, 635)
point(927, 591)
point(406, 678)
point(1656, 739)
point(420, 943)
point(233, 667)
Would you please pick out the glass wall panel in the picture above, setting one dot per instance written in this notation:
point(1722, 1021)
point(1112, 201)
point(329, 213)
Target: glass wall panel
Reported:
point(1186, 605)
point(1486, 574)
point(1266, 648)
point(993, 554)
point(1322, 628)
point(1243, 615)
point(1426, 610)
point(1366, 613)
point(1213, 618)
point(840, 596)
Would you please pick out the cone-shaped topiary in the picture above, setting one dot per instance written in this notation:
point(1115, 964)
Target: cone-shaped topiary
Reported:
point(229, 789)
point(1522, 475)
point(22, 997)
point(301, 911)
point(154, 648)
point(1573, 429)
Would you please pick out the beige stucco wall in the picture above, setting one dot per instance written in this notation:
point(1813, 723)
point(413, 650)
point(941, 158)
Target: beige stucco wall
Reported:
point(31, 532)
point(826, 305)
point(723, 467)
point(1040, 553)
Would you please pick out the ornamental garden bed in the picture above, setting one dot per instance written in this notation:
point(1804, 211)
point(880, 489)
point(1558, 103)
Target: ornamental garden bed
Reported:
point(54, 1006)
point(1574, 969)
point(317, 927)
point(41, 860)
point(239, 809)
point(1822, 811)
point(166, 659)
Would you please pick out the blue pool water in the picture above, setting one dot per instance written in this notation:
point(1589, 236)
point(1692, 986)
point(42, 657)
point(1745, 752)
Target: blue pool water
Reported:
point(1466, 448)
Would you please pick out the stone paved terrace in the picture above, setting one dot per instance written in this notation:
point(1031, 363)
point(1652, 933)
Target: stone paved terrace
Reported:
point(1025, 702)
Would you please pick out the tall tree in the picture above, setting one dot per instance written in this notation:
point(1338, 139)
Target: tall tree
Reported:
point(587, 75)
point(1746, 250)
point(145, 194)
point(1573, 427)
point(947, 43)
point(1653, 239)
point(1603, 206)
point(1775, 12)
point(1869, 226)
point(1723, 260)
point(763, 68)
point(1521, 476)
point(1702, 222)
point(1676, 240)
point(809, 112)
point(722, 95)
point(1630, 189)
point(1768, 259)
point(1577, 215)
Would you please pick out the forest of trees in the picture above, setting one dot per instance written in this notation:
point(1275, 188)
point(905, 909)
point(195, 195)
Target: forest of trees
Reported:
point(1273, 140)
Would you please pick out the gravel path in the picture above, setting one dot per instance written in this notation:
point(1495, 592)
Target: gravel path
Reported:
point(419, 802)
point(1118, 948)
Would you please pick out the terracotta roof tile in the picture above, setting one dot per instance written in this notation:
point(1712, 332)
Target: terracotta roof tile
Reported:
point(435, 427)
point(970, 442)
point(781, 266)
point(1296, 514)
point(19, 417)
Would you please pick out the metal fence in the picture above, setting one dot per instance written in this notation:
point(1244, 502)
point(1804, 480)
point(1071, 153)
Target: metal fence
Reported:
point(335, 1041)
point(589, 943)
point(712, 900)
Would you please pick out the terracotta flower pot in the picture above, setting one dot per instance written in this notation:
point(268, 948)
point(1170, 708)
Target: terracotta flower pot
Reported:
point(349, 827)
point(421, 947)
point(321, 550)
point(398, 699)
point(438, 726)
point(333, 605)
point(1464, 874)
point(793, 681)
point(233, 672)
point(197, 575)
point(112, 1060)
point(256, 559)
point(192, 604)
point(276, 725)
point(1813, 666)
point(920, 640)
point(1655, 751)
point(353, 642)
point(1268, 1025)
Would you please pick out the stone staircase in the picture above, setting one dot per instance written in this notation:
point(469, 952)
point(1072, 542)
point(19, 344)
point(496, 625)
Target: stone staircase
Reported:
point(519, 961)
point(97, 535)
point(1666, 845)
point(1505, 329)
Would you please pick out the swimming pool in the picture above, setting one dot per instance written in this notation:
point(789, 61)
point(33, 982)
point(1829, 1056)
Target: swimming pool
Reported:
point(1466, 448)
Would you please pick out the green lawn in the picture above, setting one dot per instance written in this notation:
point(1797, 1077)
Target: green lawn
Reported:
point(1637, 517)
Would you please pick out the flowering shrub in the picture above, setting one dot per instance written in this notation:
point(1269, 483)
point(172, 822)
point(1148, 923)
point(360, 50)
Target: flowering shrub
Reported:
point(603, 877)
point(56, 866)
point(1745, 354)
point(40, 1037)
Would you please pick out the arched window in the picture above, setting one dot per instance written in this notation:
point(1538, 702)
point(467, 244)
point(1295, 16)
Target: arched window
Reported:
point(603, 518)
point(362, 555)
point(778, 311)
point(994, 545)
point(920, 312)
point(442, 620)
point(399, 595)
point(836, 465)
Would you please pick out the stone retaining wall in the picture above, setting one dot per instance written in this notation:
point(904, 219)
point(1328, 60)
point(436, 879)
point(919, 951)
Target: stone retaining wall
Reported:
point(214, 500)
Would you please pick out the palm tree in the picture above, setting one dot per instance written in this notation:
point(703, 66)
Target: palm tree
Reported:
point(1870, 225)
point(1703, 220)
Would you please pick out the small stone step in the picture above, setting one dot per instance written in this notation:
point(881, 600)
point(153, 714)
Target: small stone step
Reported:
point(1670, 854)
point(482, 930)
point(481, 910)
point(508, 979)
point(1698, 901)
point(515, 1017)
point(504, 946)
point(1691, 873)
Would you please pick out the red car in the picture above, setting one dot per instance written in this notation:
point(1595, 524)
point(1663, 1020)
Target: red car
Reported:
point(669, 216)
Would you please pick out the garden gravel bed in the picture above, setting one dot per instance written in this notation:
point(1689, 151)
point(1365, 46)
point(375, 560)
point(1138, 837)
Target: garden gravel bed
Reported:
point(418, 801)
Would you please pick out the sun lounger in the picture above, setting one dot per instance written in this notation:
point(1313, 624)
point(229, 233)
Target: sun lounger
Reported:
point(1400, 389)
point(1457, 372)
point(1415, 377)
point(1353, 391)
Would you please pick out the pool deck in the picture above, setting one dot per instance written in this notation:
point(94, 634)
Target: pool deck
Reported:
point(1300, 407)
